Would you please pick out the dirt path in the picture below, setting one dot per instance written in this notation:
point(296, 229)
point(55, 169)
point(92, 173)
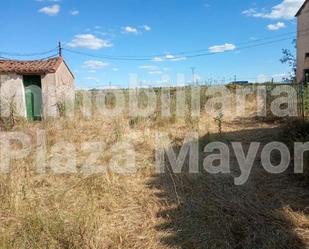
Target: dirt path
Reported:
point(210, 211)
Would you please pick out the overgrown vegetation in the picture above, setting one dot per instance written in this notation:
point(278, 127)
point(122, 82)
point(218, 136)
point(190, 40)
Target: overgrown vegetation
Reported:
point(9, 116)
point(219, 120)
point(298, 131)
point(289, 58)
point(147, 210)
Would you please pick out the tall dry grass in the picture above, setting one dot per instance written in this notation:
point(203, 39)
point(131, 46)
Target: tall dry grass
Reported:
point(78, 211)
point(145, 210)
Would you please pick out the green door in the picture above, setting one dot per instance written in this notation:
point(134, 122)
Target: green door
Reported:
point(30, 104)
point(33, 96)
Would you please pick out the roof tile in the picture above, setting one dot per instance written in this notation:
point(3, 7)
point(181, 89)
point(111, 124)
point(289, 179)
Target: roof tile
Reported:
point(30, 67)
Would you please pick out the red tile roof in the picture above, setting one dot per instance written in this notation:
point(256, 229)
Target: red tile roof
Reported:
point(30, 67)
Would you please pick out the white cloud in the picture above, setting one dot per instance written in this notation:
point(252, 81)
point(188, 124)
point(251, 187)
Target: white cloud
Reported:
point(135, 30)
point(146, 28)
point(89, 41)
point(94, 64)
point(251, 12)
point(92, 79)
point(179, 58)
point(129, 29)
point(152, 69)
point(222, 48)
point(262, 78)
point(280, 75)
point(149, 67)
point(158, 59)
point(169, 57)
point(115, 69)
point(74, 12)
point(157, 72)
point(285, 10)
point(51, 10)
point(100, 33)
point(276, 26)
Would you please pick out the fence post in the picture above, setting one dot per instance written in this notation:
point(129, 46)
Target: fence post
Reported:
point(302, 100)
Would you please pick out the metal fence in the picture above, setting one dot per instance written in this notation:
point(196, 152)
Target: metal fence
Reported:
point(302, 99)
point(299, 97)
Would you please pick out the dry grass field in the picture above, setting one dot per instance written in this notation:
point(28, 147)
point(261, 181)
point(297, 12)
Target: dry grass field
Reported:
point(148, 210)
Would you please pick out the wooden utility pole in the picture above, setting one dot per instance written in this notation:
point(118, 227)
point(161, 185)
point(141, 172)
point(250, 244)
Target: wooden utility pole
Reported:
point(59, 49)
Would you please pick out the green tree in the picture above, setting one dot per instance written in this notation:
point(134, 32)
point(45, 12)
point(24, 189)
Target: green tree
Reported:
point(289, 58)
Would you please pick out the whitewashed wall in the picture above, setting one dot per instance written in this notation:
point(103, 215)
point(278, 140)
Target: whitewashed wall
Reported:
point(49, 99)
point(12, 94)
point(58, 88)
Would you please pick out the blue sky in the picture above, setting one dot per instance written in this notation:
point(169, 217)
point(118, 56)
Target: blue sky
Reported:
point(148, 28)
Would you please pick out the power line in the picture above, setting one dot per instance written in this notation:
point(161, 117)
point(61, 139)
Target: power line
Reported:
point(143, 57)
point(187, 54)
point(188, 57)
point(40, 59)
point(150, 58)
point(28, 54)
point(239, 48)
point(238, 44)
point(106, 57)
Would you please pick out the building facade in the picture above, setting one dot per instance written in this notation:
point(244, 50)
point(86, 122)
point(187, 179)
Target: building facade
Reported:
point(35, 89)
point(303, 43)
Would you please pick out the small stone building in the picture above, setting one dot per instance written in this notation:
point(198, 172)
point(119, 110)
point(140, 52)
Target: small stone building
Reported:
point(35, 89)
point(303, 43)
